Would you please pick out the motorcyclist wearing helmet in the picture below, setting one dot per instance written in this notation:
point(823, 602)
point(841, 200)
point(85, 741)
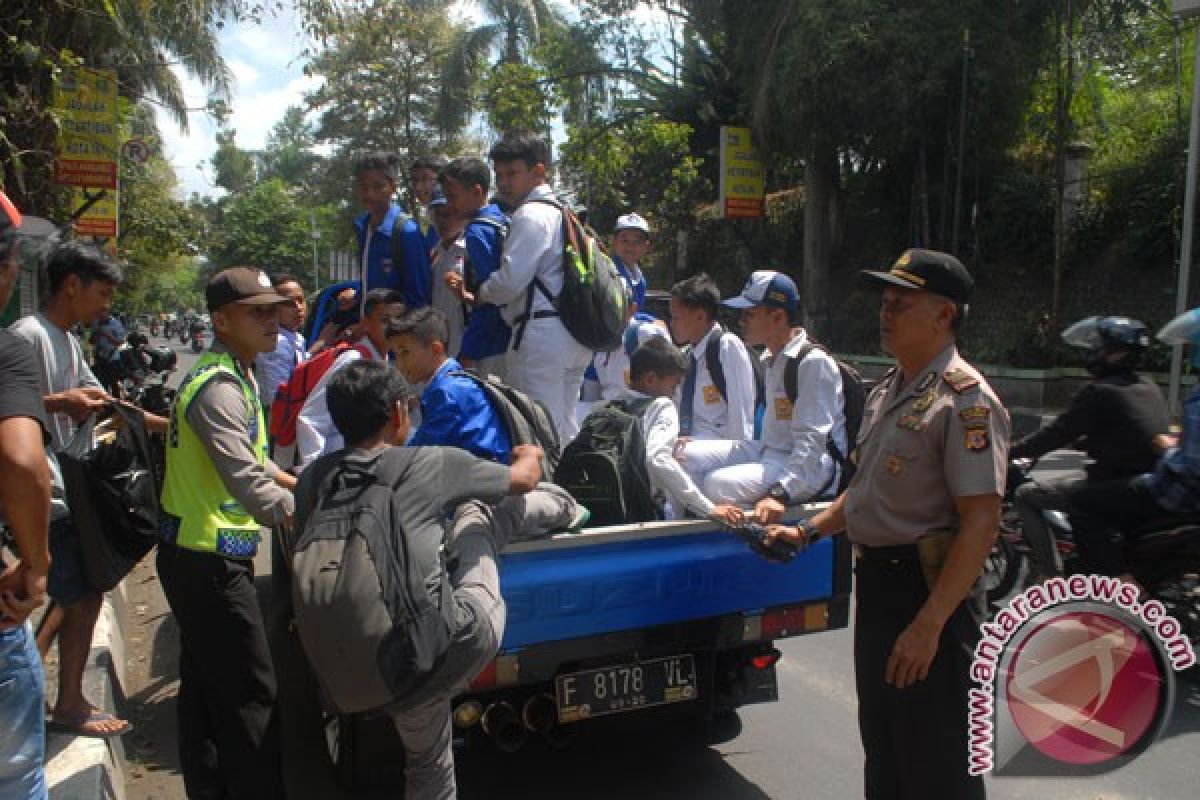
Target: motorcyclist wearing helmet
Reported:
point(1116, 418)
point(1170, 486)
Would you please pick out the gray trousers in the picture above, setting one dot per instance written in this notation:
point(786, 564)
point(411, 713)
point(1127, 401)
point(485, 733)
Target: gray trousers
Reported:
point(476, 535)
point(1030, 500)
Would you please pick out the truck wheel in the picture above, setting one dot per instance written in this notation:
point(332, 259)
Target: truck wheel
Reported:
point(714, 727)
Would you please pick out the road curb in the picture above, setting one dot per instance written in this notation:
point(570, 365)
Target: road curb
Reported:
point(84, 768)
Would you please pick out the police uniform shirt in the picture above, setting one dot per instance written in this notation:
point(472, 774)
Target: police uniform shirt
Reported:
point(713, 416)
point(801, 430)
point(612, 369)
point(941, 436)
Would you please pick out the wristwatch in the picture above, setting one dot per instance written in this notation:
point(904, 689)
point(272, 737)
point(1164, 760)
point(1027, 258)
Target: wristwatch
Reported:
point(779, 494)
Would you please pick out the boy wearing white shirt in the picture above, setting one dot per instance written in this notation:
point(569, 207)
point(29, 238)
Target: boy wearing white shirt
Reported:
point(448, 257)
point(316, 433)
point(657, 368)
point(710, 408)
point(794, 461)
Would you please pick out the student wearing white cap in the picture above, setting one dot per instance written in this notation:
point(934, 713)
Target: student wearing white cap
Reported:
point(804, 420)
point(631, 242)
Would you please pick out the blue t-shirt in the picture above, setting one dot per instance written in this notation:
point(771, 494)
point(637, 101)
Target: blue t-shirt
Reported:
point(381, 272)
point(455, 412)
point(486, 333)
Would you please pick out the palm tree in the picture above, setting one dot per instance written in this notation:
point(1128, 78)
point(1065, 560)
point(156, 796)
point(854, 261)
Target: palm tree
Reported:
point(512, 30)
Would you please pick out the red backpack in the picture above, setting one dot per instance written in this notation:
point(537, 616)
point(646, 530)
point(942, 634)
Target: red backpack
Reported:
point(289, 400)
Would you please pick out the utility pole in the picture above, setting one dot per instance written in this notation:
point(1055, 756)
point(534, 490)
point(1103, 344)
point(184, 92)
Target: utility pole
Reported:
point(1186, 10)
point(316, 237)
point(962, 139)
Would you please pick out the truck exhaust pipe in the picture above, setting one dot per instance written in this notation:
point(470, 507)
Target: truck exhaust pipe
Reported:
point(540, 713)
point(501, 723)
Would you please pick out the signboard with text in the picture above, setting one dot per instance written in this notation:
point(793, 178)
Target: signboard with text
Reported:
point(743, 182)
point(100, 219)
point(86, 101)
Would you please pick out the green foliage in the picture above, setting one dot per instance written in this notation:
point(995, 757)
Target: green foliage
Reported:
point(516, 98)
point(235, 168)
point(265, 227)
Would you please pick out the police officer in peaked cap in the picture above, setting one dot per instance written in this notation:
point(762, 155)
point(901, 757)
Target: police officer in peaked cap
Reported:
point(922, 510)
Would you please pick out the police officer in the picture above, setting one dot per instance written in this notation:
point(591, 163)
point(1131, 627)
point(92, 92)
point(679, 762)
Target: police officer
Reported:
point(922, 509)
point(219, 489)
point(1119, 419)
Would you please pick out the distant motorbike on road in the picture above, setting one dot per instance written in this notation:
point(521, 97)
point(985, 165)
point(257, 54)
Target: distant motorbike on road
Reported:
point(196, 338)
point(1163, 555)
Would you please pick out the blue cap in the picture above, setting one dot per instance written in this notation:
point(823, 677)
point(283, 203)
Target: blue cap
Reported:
point(767, 288)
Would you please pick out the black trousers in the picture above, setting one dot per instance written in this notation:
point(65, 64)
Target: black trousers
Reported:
point(228, 734)
point(915, 739)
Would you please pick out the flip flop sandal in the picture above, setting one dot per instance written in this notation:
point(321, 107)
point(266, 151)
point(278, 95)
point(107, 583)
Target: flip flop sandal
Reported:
point(76, 726)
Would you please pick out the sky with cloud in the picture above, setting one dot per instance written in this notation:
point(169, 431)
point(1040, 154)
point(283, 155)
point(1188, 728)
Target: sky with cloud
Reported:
point(269, 77)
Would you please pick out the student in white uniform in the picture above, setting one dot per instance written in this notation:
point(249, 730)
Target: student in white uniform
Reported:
point(657, 369)
point(543, 360)
point(792, 462)
point(612, 370)
point(705, 412)
point(448, 256)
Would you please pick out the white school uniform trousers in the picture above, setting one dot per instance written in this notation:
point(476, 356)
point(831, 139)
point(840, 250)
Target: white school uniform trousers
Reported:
point(543, 359)
point(714, 416)
point(793, 450)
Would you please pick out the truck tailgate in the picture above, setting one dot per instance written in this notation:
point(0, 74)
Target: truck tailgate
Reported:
point(623, 577)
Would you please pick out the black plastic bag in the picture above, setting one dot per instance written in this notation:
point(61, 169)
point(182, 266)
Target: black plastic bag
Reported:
point(112, 492)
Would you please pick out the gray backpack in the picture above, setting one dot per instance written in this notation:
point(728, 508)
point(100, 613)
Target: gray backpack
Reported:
point(372, 629)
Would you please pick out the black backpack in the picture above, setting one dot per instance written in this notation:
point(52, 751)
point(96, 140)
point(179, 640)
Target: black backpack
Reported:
point(593, 304)
point(370, 625)
point(716, 370)
point(854, 401)
point(526, 419)
point(604, 467)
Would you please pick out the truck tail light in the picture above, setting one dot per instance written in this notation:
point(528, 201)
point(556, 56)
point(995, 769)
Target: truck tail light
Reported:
point(766, 660)
point(783, 621)
point(500, 671)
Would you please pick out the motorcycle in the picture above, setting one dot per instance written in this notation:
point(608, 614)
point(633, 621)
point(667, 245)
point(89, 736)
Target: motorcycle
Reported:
point(143, 371)
point(1163, 555)
point(196, 337)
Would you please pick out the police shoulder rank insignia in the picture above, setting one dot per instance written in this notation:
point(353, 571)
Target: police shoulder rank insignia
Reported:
point(925, 401)
point(959, 380)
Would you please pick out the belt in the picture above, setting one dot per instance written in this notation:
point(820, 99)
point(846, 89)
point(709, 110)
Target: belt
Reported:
point(895, 555)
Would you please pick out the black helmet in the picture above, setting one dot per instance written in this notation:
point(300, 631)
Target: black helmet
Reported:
point(1113, 343)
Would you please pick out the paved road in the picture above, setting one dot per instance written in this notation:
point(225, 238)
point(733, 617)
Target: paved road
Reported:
point(805, 746)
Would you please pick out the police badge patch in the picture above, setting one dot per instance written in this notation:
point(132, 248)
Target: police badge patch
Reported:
point(977, 440)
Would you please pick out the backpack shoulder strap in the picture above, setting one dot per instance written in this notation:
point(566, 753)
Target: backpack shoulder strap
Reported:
point(712, 360)
point(398, 261)
point(790, 370)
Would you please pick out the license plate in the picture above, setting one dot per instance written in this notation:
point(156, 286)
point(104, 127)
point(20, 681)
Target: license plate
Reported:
point(625, 687)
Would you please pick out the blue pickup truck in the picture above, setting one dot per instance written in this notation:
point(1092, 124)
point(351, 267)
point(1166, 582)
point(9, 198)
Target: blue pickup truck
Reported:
point(629, 620)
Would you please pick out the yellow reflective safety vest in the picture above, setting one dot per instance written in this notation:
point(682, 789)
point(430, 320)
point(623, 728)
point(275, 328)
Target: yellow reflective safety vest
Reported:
point(200, 513)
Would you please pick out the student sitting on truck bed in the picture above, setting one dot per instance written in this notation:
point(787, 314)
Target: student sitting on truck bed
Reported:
point(656, 369)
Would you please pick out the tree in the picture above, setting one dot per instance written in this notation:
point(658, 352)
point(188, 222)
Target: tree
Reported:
point(265, 227)
point(289, 153)
point(236, 169)
point(141, 40)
